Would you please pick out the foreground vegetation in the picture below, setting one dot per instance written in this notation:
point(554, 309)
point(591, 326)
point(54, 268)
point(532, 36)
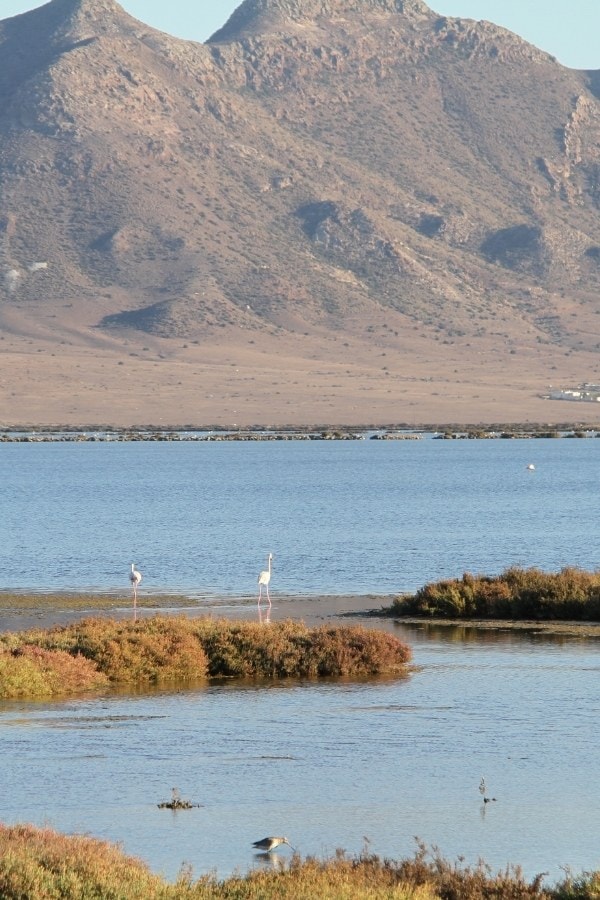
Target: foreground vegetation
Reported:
point(95, 653)
point(39, 864)
point(571, 594)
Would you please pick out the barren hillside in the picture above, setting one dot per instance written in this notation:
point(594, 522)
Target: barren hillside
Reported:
point(333, 211)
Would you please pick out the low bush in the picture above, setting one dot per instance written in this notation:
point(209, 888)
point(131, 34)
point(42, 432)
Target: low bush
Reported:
point(39, 864)
point(97, 652)
point(515, 594)
point(31, 671)
point(293, 649)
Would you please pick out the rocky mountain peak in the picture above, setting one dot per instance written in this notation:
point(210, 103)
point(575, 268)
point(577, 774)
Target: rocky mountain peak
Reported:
point(67, 17)
point(256, 16)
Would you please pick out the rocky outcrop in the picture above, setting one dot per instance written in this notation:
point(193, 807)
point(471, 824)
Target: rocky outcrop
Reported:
point(260, 16)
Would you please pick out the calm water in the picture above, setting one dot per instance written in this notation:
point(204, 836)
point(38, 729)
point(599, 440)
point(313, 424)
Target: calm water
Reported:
point(359, 517)
point(329, 763)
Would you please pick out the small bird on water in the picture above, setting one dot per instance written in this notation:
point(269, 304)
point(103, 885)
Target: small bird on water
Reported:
point(483, 791)
point(271, 843)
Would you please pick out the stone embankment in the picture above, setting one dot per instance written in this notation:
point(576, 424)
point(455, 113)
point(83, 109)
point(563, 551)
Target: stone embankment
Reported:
point(22, 434)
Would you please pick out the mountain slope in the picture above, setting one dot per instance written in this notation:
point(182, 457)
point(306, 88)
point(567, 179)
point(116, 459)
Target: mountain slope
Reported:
point(321, 172)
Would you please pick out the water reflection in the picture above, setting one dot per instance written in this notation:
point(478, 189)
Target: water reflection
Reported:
point(272, 860)
point(264, 615)
point(512, 634)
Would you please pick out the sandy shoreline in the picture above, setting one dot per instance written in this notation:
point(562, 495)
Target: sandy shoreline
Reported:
point(22, 612)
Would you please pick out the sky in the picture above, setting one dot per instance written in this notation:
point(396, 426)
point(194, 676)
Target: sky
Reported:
point(568, 29)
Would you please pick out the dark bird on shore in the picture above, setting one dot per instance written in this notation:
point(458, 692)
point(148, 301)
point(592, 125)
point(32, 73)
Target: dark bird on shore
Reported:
point(267, 844)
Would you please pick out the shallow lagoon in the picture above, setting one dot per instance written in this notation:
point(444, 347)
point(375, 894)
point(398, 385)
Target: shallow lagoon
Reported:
point(329, 764)
point(340, 516)
point(332, 763)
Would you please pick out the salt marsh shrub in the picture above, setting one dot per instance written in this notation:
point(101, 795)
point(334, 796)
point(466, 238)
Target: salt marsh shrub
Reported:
point(517, 593)
point(163, 649)
point(39, 864)
point(32, 671)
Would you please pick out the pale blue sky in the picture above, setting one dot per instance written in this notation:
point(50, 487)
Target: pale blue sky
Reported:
point(568, 29)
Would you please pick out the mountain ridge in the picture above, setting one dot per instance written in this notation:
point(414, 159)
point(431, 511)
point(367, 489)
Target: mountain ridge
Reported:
point(255, 16)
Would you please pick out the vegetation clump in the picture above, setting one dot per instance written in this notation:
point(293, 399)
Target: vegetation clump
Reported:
point(95, 653)
point(517, 593)
point(39, 864)
point(177, 801)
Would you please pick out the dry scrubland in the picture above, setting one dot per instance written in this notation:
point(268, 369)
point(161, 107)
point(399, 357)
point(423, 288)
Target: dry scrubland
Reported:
point(38, 864)
point(93, 654)
point(282, 380)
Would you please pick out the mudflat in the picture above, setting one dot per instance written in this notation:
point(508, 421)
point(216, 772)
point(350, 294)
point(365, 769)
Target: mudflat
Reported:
point(20, 612)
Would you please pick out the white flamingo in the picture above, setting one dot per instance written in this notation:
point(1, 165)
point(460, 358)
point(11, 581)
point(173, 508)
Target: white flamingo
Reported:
point(135, 577)
point(264, 579)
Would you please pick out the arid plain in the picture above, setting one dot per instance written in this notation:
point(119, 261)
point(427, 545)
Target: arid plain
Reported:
point(280, 380)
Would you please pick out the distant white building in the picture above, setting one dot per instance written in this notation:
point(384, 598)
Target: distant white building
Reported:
point(590, 395)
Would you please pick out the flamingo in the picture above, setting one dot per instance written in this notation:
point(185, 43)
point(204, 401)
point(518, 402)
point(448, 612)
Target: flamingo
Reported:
point(135, 577)
point(264, 578)
point(267, 844)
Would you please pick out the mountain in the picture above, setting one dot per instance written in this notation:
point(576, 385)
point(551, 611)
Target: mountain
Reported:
point(369, 211)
